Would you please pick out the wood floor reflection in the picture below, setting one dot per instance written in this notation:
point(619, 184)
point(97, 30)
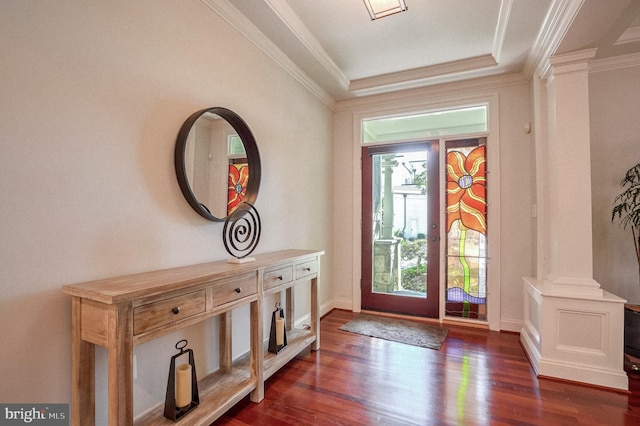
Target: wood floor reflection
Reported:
point(477, 378)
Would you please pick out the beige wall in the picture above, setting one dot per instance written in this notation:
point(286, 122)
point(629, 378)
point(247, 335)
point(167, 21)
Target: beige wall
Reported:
point(516, 177)
point(93, 95)
point(615, 148)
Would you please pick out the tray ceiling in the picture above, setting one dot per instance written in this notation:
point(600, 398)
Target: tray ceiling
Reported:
point(343, 53)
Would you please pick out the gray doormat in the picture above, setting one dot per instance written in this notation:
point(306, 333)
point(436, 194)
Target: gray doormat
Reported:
point(398, 330)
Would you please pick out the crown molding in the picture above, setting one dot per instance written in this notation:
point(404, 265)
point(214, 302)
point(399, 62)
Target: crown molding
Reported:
point(556, 24)
point(501, 28)
point(419, 76)
point(246, 28)
point(631, 35)
point(282, 9)
point(615, 63)
point(442, 90)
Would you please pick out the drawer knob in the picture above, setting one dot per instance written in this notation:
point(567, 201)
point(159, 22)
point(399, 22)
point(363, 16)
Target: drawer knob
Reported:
point(307, 269)
point(238, 290)
point(176, 310)
point(280, 277)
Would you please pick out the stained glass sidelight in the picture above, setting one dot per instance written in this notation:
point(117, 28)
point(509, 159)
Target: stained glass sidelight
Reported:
point(237, 187)
point(466, 216)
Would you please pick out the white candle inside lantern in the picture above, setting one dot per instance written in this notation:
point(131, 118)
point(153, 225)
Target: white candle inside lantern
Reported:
point(279, 330)
point(183, 385)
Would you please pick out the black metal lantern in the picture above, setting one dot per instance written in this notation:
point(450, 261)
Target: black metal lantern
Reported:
point(278, 334)
point(182, 386)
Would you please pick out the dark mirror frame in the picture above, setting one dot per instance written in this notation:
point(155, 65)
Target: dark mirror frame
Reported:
point(250, 147)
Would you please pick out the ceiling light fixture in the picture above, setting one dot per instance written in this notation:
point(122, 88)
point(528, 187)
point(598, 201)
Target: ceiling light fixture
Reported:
point(381, 8)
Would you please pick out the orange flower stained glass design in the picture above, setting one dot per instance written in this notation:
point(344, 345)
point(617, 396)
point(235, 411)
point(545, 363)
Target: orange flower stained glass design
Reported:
point(466, 189)
point(466, 229)
point(238, 178)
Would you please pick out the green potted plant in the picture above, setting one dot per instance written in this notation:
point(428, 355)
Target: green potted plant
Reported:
point(627, 209)
point(627, 206)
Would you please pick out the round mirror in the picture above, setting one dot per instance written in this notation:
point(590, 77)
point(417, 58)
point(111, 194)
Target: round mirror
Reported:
point(217, 163)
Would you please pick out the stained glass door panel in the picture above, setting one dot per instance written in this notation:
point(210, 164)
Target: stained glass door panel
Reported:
point(466, 217)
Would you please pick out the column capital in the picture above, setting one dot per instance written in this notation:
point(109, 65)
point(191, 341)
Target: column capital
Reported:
point(568, 62)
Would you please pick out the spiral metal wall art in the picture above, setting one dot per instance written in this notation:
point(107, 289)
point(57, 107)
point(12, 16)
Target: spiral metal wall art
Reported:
point(241, 232)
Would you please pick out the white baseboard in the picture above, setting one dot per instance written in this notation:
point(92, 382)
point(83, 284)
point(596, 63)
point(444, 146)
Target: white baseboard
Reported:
point(325, 308)
point(608, 378)
point(512, 325)
point(530, 349)
point(347, 305)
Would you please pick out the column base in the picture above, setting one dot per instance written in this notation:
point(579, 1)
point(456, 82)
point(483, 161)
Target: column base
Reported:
point(574, 337)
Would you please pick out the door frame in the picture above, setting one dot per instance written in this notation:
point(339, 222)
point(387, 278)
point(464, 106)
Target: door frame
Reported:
point(428, 306)
point(416, 106)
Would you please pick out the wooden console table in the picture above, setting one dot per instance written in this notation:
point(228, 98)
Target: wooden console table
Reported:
point(119, 313)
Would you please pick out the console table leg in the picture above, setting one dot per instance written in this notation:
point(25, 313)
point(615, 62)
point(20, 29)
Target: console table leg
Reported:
point(83, 400)
point(225, 346)
point(120, 366)
point(315, 311)
point(257, 350)
point(290, 310)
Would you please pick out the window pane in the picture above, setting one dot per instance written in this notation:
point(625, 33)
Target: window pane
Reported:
point(400, 219)
point(236, 147)
point(425, 126)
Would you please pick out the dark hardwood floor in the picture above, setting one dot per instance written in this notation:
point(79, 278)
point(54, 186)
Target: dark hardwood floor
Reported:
point(477, 378)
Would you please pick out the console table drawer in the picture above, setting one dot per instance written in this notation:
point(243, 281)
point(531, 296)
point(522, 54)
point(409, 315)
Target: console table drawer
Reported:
point(306, 268)
point(279, 276)
point(167, 311)
point(226, 291)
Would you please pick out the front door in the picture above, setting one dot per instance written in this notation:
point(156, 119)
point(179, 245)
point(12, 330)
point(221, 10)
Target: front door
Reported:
point(400, 228)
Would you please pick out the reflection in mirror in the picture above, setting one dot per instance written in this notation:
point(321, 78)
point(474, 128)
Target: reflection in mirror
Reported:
point(216, 165)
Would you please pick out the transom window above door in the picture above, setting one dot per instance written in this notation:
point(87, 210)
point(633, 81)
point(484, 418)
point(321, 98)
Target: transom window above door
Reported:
point(424, 126)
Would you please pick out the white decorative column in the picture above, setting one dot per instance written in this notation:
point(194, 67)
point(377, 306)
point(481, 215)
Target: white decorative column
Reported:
point(573, 329)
